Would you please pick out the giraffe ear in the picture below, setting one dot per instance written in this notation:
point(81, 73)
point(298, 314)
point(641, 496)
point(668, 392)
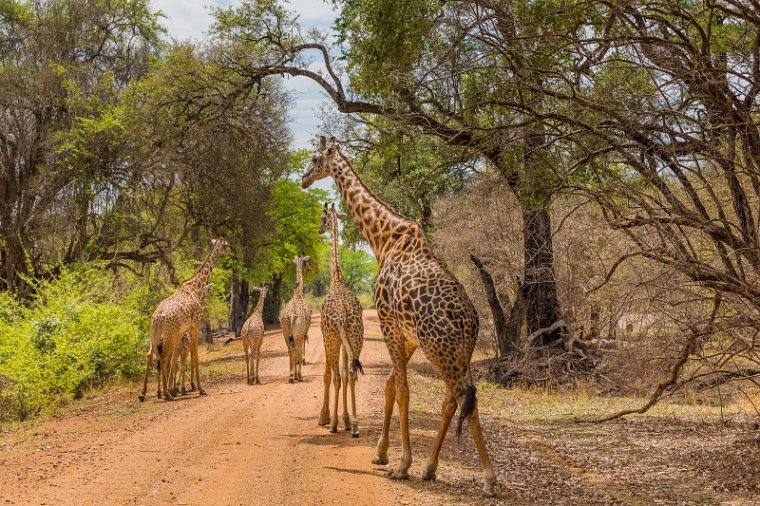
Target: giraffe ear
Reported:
point(322, 142)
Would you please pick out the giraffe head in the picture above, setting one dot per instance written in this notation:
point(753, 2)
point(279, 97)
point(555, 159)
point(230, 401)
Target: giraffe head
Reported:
point(262, 291)
point(321, 161)
point(329, 219)
point(302, 262)
point(222, 246)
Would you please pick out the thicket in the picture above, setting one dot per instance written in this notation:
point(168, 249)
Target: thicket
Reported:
point(79, 330)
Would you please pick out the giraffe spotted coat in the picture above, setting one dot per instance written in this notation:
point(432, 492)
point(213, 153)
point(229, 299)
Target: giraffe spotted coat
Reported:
point(343, 332)
point(419, 304)
point(295, 319)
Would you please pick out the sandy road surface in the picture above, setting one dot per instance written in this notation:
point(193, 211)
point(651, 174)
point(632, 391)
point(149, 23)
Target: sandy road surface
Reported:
point(238, 445)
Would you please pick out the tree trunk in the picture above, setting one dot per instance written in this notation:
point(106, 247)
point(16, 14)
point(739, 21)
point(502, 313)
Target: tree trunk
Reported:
point(239, 297)
point(272, 302)
point(517, 315)
point(539, 280)
point(505, 344)
point(206, 333)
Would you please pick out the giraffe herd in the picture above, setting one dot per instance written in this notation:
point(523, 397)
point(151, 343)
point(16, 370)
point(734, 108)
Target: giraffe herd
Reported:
point(419, 304)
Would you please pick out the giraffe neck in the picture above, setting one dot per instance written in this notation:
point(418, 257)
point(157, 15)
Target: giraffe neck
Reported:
point(200, 279)
point(299, 280)
point(336, 274)
point(259, 305)
point(377, 222)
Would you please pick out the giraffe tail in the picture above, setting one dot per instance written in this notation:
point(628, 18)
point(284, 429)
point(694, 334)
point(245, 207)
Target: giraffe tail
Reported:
point(355, 363)
point(468, 406)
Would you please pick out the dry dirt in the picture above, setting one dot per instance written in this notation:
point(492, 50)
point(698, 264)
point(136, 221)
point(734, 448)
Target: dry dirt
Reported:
point(261, 445)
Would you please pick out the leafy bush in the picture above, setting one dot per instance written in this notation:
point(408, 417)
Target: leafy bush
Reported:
point(80, 330)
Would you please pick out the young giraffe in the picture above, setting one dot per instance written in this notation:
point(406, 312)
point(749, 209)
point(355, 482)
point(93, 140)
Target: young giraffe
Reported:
point(176, 315)
point(343, 332)
point(419, 303)
point(252, 336)
point(295, 319)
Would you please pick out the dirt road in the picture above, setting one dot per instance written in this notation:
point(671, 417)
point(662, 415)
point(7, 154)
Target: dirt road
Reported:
point(261, 445)
point(239, 445)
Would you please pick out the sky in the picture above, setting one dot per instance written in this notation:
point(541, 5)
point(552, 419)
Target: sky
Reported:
point(190, 19)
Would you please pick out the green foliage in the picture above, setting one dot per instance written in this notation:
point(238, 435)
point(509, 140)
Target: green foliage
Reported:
point(296, 216)
point(80, 330)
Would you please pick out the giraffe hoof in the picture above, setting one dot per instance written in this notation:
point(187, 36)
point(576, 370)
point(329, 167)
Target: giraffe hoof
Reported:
point(428, 475)
point(202, 392)
point(355, 434)
point(169, 397)
point(397, 475)
point(291, 380)
point(380, 461)
point(489, 489)
point(322, 422)
point(333, 429)
point(141, 397)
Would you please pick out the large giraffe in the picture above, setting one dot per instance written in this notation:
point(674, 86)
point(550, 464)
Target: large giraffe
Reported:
point(295, 319)
point(176, 315)
point(343, 331)
point(419, 303)
point(252, 335)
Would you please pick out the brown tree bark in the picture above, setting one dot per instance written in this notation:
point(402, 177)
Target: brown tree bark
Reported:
point(539, 280)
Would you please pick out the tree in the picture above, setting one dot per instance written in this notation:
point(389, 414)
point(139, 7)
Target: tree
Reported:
point(454, 71)
point(56, 88)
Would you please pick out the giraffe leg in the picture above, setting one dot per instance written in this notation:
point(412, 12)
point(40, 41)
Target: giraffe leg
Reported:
point(336, 387)
point(168, 362)
point(489, 477)
point(301, 359)
point(194, 361)
point(303, 349)
point(324, 414)
point(247, 364)
point(291, 355)
point(159, 372)
point(381, 454)
point(256, 357)
point(148, 364)
point(183, 359)
point(402, 399)
point(352, 385)
point(344, 381)
point(447, 413)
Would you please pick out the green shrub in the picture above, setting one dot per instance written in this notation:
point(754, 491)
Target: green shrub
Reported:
point(77, 332)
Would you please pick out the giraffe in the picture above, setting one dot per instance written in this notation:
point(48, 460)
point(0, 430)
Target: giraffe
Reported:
point(343, 332)
point(419, 303)
point(185, 349)
point(295, 319)
point(176, 315)
point(252, 335)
